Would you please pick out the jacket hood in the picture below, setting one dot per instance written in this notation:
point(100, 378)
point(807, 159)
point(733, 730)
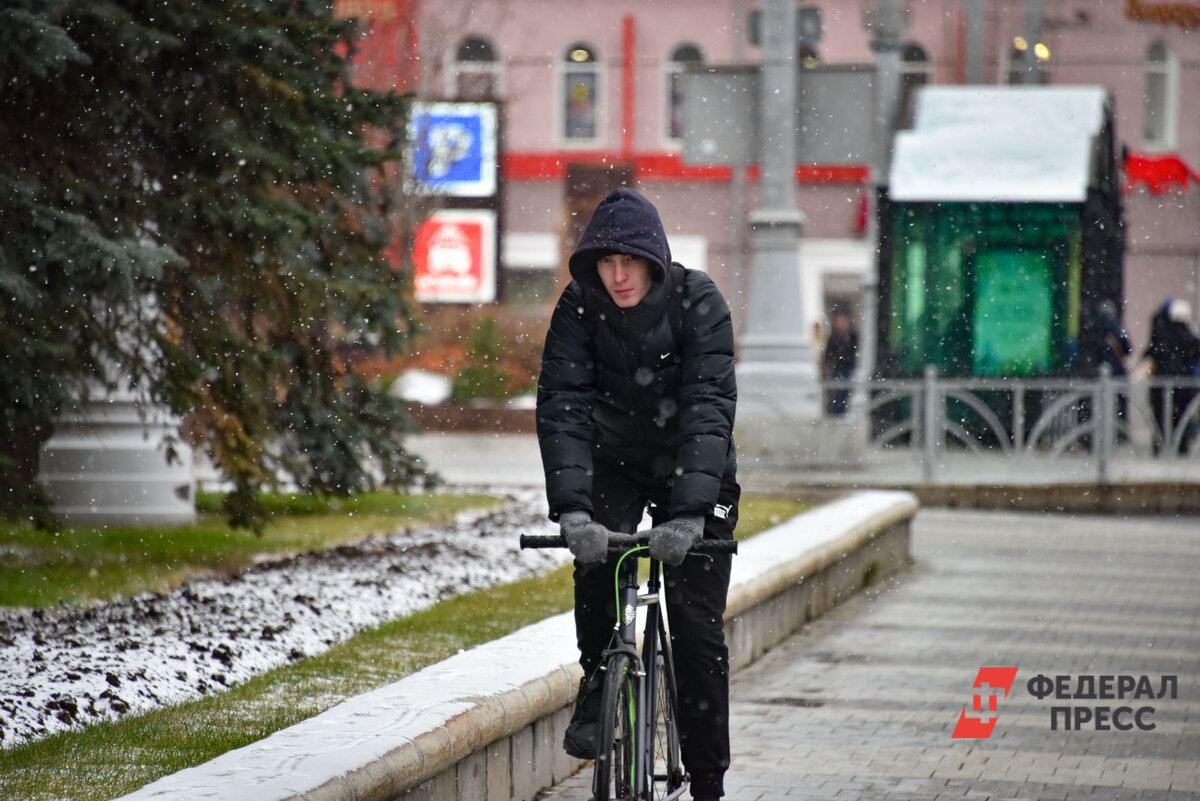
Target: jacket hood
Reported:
point(624, 222)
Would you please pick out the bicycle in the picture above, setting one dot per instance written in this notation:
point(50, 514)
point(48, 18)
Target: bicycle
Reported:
point(637, 753)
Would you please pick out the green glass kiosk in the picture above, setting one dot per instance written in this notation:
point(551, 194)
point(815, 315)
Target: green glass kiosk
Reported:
point(1001, 229)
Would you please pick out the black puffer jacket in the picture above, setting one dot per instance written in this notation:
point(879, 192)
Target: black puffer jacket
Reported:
point(616, 386)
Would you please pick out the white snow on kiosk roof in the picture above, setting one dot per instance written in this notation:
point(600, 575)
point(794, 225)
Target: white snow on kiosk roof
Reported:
point(998, 144)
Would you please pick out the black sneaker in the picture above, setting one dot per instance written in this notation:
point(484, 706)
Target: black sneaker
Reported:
point(584, 729)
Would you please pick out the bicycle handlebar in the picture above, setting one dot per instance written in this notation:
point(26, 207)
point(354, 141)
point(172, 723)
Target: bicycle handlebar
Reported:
point(620, 542)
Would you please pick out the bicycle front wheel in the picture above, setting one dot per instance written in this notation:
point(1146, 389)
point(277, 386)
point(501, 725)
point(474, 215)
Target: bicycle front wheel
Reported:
point(668, 775)
point(614, 771)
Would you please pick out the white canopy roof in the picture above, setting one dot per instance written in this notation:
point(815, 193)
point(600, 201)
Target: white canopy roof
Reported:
point(998, 144)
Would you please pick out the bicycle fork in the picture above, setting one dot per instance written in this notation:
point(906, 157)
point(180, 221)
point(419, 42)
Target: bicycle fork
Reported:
point(643, 676)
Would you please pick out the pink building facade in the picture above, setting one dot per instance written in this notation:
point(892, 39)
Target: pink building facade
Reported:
point(586, 83)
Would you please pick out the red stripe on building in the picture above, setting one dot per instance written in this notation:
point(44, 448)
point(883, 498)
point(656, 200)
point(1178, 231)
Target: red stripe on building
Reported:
point(663, 166)
point(833, 174)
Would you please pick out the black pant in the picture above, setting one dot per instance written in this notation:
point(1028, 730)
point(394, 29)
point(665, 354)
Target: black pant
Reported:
point(695, 592)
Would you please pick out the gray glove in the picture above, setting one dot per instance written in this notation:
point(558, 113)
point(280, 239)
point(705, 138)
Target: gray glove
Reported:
point(669, 543)
point(587, 539)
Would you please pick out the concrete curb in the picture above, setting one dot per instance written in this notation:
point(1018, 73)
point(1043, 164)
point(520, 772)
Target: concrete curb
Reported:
point(486, 724)
point(1131, 498)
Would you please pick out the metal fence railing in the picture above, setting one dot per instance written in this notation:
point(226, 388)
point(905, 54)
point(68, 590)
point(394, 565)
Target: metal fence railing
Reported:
point(1100, 419)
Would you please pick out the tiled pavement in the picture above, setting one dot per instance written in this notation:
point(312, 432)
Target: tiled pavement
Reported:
point(862, 703)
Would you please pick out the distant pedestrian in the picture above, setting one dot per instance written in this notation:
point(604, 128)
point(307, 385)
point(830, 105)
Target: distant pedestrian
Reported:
point(839, 359)
point(1106, 343)
point(1109, 343)
point(1173, 352)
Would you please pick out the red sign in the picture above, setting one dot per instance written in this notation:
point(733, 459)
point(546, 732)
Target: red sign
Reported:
point(455, 257)
point(1160, 172)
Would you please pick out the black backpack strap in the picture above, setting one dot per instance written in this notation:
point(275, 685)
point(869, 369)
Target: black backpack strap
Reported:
point(677, 304)
point(589, 316)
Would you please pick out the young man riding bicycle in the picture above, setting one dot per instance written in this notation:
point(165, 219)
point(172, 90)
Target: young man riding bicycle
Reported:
point(635, 408)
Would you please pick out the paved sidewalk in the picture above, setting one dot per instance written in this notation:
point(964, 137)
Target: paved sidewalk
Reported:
point(862, 703)
point(474, 459)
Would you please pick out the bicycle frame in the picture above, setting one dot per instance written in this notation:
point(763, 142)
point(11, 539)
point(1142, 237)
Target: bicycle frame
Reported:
point(629, 599)
point(641, 670)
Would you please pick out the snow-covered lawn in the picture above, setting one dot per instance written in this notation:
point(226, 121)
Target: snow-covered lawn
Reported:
point(75, 668)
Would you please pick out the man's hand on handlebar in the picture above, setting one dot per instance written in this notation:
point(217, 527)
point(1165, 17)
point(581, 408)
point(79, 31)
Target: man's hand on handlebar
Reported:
point(587, 539)
point(671, 541)
point(620, 543)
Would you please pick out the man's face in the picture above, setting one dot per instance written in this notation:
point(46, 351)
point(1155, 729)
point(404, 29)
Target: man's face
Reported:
point(627, 278)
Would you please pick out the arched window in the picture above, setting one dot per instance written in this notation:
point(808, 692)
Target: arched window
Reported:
point(676, 66)
point(914, 73)
point(581, 94)
point(1161, 109)
point(475, 72)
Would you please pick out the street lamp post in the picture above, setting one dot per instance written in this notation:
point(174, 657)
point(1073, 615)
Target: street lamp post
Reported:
point(777, 380)
point(886, 23)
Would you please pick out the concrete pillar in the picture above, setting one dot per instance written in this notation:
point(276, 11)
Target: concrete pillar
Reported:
point(777, 380)
point(886, 24)
point(107, 464)
point(976, 36)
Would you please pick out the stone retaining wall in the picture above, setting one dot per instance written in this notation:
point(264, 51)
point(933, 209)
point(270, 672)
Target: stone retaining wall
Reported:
point(486, 725)
point(1130, 498)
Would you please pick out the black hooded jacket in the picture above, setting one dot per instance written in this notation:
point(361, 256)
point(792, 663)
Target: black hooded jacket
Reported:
point(617, 386)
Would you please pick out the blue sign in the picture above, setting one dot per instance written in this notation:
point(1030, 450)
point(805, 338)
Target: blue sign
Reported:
point(453, 148)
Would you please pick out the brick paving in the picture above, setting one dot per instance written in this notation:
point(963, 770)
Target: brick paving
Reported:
point(862, 703)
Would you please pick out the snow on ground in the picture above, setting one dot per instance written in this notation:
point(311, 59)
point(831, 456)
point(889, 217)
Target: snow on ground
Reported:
point(74, 669)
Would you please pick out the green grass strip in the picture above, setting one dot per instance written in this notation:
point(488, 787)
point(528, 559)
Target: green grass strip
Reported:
point(78, 565)
point(113, 759)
